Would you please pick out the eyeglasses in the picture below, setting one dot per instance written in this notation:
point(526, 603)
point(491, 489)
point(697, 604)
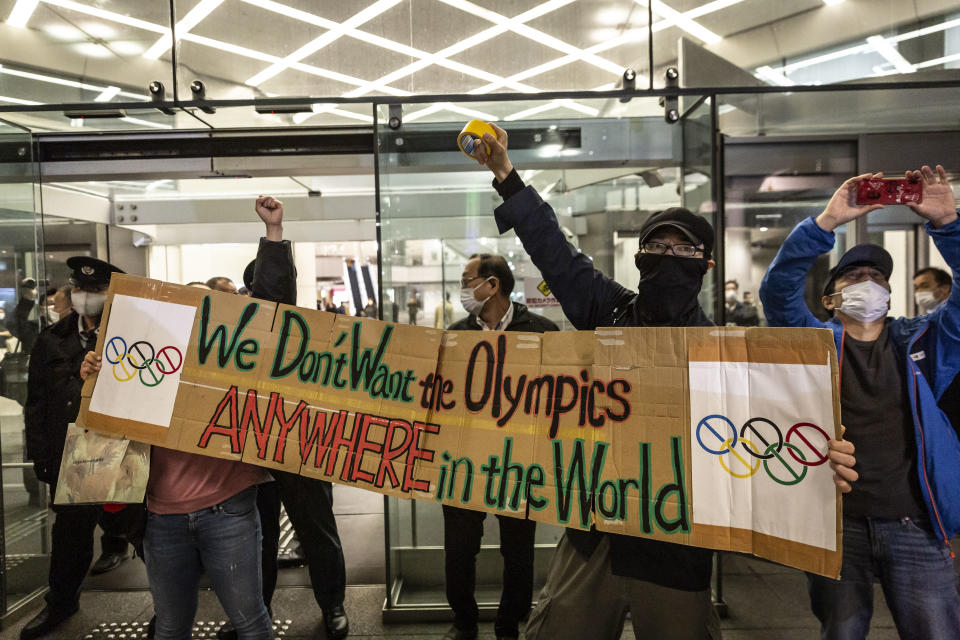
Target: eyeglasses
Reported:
point(681, 250)
point(465, 281)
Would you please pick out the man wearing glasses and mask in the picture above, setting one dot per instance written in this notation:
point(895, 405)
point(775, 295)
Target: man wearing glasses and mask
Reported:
point(485, 288)
point(595, 578)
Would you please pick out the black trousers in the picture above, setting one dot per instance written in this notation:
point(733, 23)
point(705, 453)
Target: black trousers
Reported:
point(309, 503)
point(268, 504)
point(462, 531)
point(72, 546)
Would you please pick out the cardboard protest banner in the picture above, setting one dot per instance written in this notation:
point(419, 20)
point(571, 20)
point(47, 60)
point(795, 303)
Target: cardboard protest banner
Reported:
point(713, 437)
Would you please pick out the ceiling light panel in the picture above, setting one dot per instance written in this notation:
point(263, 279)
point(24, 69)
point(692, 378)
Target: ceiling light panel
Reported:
point(399, 47)
point(890, 53)
point(22, 12)
point(193, 17)
point(318, 43)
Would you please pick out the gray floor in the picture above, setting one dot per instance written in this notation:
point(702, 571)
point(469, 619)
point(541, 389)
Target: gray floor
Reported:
point(766, 601)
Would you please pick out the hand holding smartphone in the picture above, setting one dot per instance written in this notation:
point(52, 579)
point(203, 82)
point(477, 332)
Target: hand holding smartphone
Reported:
point(889, 191)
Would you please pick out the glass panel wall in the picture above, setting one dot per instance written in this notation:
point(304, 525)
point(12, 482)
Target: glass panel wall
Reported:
point(603, 173)
point(23, 302)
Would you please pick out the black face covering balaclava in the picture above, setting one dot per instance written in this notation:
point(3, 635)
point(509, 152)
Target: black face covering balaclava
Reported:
point(669, 286)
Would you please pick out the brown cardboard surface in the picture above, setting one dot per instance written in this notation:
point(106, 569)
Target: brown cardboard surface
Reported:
point(578, 428)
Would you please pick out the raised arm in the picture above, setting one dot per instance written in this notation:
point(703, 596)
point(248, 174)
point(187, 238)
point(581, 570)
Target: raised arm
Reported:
point(274, 276)
point(943, 225)
point(587, 296)
point(782, 288)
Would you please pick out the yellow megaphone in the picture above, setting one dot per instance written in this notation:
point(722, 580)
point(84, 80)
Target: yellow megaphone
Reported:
point(472, 134)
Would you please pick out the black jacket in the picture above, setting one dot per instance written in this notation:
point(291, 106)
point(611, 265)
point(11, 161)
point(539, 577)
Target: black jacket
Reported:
point(274, 276)
point(590, 300)
point(523, 320)
point(53, 394)
point(742, 315)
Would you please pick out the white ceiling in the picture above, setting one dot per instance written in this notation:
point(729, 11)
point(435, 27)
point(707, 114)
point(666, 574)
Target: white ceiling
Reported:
point(108, 50)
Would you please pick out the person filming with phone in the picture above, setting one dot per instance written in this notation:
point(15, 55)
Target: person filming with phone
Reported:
point(900, 515)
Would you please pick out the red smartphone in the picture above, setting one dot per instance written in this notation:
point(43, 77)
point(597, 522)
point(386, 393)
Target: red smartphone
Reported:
point(889, 191)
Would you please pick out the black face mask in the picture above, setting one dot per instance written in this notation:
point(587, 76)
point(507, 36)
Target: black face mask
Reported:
point(669, 286)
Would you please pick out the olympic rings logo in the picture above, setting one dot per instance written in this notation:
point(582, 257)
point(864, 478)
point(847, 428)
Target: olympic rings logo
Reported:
point(718, 436)
point(140, 360)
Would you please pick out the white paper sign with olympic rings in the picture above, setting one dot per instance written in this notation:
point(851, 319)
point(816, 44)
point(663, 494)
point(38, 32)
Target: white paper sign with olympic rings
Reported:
point(142, 359)
point(759, 450)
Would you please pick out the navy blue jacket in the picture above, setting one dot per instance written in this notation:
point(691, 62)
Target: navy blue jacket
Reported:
point(928, 346)
point(590, 300)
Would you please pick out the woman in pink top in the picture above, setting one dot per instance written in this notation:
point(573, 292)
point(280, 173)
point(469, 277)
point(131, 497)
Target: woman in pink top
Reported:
point(202, 517)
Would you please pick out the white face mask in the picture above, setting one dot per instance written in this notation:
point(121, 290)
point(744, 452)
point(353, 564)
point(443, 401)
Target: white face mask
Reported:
point(865, 301)
point(470, 303)
point(52, 315)
point(88, 303)
point(731, 296)
point(926, 302)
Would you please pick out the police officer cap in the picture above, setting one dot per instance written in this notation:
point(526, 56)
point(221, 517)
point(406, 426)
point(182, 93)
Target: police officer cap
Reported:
point(90, 272)
point(869, 255)
point(694, 227)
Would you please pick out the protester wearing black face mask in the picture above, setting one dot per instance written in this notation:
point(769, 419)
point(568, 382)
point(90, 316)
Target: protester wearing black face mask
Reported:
point(594, 577)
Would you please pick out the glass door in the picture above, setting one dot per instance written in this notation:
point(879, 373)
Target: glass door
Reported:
point(23, 300)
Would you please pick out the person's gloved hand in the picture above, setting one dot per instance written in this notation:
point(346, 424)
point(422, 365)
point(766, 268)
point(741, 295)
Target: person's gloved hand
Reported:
point(42, 471)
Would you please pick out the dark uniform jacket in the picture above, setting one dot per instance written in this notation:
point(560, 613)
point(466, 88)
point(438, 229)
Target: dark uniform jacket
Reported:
point(523, 320)
point(274, 276)
point(53, 394)
point(589, 300)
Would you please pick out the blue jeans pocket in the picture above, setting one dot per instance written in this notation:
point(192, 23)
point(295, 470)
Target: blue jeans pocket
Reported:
point(240, 504)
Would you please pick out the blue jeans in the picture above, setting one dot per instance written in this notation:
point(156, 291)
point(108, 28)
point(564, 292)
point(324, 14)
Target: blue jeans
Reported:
point(914, 569)
point(223, 540)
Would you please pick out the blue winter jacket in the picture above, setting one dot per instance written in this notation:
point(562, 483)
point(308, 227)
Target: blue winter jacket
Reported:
point(928, 345)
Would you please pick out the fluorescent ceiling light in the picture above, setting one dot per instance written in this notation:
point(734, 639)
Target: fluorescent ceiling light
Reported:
point(710, 7)
point(549, 106)
point(108, 15)
point(416, 115)
point(21, 13)
point(672, 16)
point(371, 12)
point(831, 2)
point(107, 95)
point(943, 26)
point(378, 41)
point(194, 17)
point(535, 34)
point(932, 63)
point(773, 75)
point(66, 83)
point(887, 50)
point(470, 113)
point(827, 57)
point(631, 36)
point(862, 48)
point(482, 37)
